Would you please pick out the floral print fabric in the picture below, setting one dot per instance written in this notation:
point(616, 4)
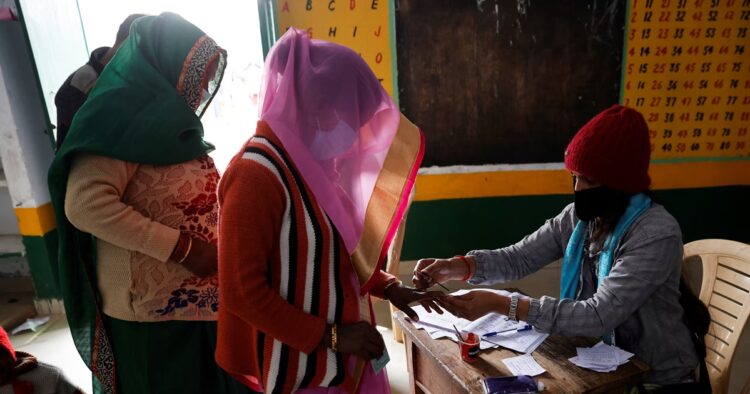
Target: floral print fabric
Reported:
point(181, 196)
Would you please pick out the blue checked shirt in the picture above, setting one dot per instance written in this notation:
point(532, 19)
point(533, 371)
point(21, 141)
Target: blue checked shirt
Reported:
point(639, 299)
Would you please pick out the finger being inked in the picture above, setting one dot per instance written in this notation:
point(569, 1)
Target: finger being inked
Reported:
point(434, 306)
point(411, 313)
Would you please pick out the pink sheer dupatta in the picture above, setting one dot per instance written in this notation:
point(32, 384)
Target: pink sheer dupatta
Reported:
point(347, 138)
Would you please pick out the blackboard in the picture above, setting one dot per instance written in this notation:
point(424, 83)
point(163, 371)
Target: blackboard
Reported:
point(493, 81)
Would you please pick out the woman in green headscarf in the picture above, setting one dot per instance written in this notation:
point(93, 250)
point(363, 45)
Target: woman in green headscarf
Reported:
point(134, 193)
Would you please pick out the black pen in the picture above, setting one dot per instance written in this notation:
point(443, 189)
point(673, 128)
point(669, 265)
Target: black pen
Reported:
point(458, 334)
point(436, 282)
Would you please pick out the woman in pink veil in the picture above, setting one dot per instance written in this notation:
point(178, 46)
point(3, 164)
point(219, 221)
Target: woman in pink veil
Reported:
point(308, 211)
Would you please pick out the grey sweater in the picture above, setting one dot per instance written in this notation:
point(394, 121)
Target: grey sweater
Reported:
point(639, 298)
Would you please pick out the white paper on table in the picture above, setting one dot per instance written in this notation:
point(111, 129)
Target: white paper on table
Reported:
point(483, 345)
point(622, 355)
point(598, 355)
point(31, 324)
point(437, 325)
point(523, 365)
point(433, 321)
point(492, 322)
point(538, 341)
point(439, 334)
point(591, 358)
point(598, 368)
point(441, 326)
point(520, 341)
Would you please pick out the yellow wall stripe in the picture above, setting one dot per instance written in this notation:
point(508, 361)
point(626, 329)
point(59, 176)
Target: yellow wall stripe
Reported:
point(492, 184)
point(36, 221)
point(692, 175)
point(687, 175)
point(41, 220)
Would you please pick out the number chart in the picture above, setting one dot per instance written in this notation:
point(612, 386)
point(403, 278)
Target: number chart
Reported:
point(687, 69)
point(362, 25)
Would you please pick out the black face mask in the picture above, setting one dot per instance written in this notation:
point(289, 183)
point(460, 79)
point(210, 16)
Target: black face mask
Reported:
point(600, 201)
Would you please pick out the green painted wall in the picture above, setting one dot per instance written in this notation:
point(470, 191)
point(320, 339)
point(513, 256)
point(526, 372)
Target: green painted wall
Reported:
point(449, 227)
point(40, 251)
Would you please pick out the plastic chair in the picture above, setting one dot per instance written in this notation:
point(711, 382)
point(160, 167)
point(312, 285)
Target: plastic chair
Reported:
point(725, 289)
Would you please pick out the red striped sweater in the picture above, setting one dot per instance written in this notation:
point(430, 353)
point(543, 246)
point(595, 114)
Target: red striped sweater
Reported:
point(283, 272)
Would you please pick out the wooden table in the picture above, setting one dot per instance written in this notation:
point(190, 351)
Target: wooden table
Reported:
point(435, 366)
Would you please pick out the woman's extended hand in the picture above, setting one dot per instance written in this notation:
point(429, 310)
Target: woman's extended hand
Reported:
point(401, 297)
point(474, 304)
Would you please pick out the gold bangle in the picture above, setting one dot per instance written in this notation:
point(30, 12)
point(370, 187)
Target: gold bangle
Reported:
point(190, 246)
point(334, 339)
point(179, 249)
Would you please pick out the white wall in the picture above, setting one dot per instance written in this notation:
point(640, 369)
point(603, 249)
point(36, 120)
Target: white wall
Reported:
point(25, 148)
point(8, 223)
point(57, 41)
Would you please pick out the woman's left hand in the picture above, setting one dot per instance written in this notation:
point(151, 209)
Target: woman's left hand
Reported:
point(401, 297)
point(202, 259)
point(472, 305)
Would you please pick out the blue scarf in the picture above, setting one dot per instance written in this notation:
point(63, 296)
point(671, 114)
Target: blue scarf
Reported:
point(573, 260)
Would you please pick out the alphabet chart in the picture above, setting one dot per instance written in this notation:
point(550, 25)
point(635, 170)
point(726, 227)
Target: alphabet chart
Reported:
point(687, 70)
point(366, 26)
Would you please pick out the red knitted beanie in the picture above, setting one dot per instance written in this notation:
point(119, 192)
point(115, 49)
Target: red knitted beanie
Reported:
point(613, 149)
point(5, 344)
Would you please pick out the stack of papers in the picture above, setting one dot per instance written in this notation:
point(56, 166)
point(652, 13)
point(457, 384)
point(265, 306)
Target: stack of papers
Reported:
point(601, 357)
point(441, 326)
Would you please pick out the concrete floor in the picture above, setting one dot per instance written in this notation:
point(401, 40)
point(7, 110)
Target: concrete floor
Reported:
point(54, 345)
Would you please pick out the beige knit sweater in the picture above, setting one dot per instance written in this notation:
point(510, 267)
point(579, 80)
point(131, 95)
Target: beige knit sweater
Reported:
point(136, 213)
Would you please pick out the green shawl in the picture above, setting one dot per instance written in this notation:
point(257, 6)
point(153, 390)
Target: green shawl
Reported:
point(145, 108)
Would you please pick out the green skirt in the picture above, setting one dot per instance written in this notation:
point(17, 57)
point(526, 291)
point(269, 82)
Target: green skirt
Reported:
point(168, 357)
